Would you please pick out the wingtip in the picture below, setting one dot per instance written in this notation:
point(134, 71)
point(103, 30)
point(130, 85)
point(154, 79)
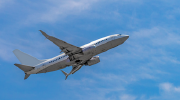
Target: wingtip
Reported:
point(16, 64)
point(15, 50)
point(47, 36)
point(42, 31)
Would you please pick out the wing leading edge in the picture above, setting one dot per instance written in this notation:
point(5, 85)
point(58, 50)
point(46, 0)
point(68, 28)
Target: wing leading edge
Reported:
point(64, 46)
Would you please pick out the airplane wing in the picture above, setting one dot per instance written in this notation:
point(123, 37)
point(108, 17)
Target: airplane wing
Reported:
point(64, 46)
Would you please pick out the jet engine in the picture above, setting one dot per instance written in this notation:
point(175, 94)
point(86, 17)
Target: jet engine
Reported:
point(89, 50)
point(93, 60)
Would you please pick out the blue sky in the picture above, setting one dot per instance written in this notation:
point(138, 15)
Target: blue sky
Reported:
point(145, 67)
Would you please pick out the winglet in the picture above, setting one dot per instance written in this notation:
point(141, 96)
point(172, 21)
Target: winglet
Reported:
point(66, 74)
point(47, 36)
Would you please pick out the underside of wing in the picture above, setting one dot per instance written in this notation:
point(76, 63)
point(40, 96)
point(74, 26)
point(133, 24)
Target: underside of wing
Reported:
point(64, 46)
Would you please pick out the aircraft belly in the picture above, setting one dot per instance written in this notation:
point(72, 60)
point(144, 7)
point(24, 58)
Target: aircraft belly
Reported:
point(108, 45)
point(103, 48)
point(86, 57)
point(117, 42)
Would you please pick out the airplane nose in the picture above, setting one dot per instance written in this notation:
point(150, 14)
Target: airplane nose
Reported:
point(126, 37)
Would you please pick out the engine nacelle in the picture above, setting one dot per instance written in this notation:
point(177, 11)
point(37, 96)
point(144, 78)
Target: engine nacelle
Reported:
point(89, 50)
point(93, 60)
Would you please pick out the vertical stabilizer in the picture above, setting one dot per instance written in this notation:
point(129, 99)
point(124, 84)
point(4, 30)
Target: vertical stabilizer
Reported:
point(26, 59)
point(25, 68)
point(26, 76)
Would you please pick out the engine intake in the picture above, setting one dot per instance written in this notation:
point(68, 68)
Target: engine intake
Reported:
point(93, 61)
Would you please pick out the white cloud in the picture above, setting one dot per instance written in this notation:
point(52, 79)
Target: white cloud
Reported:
point(167, 92)
point(56, 10)
point(147, 46)
point(91, 86)
point(168, 87)
point(61, 10)
point(4, 3)
point(127, 97)
point(26, 45)
point(150, 44)
point(155, 41)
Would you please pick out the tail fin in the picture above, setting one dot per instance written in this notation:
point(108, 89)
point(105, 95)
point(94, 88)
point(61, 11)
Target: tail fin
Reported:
point(25, 69)
point(66, 74)
point(26, 76)
point(26, 59)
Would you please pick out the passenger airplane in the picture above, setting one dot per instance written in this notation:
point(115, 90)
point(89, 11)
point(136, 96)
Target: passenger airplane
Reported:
point(72, 56)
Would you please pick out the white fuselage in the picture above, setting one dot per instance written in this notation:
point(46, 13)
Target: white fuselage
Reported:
point(61, 61)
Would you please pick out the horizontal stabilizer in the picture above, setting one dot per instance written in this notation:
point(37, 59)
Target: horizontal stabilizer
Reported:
point(24, 67)
point(66, 74)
